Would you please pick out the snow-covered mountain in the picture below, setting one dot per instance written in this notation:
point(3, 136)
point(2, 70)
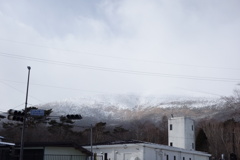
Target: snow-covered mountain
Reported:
point(131, 107)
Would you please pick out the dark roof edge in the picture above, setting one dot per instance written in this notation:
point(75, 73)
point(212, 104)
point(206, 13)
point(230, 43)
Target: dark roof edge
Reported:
point(118, 142)
point(56, 144)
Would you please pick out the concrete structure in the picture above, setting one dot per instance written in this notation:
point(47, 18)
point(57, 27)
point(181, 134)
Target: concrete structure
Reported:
point(137, 150)
point(181, 146)
point(5, 148)
point(5, 143)
point(54, 150)
point(46, 151)
point(181, 133)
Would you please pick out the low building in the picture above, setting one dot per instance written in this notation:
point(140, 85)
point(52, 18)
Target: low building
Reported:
point(50, 151)
point(5, 149)
point(5, 143)
point(137, 150)
point(181, 140)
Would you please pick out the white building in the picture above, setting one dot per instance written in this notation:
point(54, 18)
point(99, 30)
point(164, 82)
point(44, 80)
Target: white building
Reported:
point(181, 147)
point(181, 133)
point(52, 151)
point(5, 143)
point(136, 150)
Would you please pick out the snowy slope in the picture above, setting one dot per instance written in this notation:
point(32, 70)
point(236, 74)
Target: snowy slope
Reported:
point(126, 107)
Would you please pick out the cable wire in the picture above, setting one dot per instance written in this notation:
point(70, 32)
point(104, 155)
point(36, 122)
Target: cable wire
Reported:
point(117, 57)
point(20, 91)
point(118, 70)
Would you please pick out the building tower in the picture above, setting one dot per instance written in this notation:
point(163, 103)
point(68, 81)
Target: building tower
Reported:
point(181, 133)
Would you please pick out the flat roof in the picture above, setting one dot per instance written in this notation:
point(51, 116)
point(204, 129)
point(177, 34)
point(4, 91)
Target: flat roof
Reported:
point(6, 144)
point(145, 144)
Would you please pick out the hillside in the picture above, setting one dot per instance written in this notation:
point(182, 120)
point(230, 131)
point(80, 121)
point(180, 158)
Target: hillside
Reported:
point(121, 108)
point(123, 117)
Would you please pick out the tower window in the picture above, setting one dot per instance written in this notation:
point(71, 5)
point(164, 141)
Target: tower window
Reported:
point(171, 144)
point(171, 127)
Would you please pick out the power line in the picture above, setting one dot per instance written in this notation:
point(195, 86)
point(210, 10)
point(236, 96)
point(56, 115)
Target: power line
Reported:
point(117, 57)
point(198, 91)
point(90, 91)
point(52, 86)
point(118, 70)
point(16, 106)
point(20, 91)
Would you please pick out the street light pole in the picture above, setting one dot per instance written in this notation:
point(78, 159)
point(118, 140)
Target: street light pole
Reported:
point(91, 143)
point(24, 117)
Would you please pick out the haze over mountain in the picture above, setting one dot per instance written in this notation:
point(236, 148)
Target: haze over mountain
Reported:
point(120, 108)
point(117, 47)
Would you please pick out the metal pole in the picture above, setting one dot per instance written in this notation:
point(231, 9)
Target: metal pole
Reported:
point(91, 143)
point(233, 140)
point(24, 117)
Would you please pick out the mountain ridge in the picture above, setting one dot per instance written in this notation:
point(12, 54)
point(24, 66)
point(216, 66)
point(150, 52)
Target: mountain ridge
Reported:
point(131, 107)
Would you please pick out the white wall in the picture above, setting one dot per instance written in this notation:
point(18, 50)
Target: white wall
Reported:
point(181, 133)
point(153, 153)
point(149, 151)
point(119, 152)
point(62, 151)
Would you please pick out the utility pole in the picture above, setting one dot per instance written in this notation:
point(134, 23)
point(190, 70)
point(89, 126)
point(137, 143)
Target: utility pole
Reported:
point(233, 135)
point(233, 140)
point(24, 117)
point(91, 143)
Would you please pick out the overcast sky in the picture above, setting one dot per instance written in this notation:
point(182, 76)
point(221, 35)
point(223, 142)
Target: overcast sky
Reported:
point(145, 47)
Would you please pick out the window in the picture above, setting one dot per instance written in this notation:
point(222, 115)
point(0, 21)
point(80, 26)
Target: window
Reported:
point(105, 156)
point(192, 127)
point(183, 158)
point(171, 127)
point(192, 145)
point(167, 157)
point(171, 144)
point(174, 158)
point(190, 159)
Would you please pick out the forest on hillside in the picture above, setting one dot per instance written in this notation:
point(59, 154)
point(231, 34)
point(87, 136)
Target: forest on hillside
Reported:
point(218, 134)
